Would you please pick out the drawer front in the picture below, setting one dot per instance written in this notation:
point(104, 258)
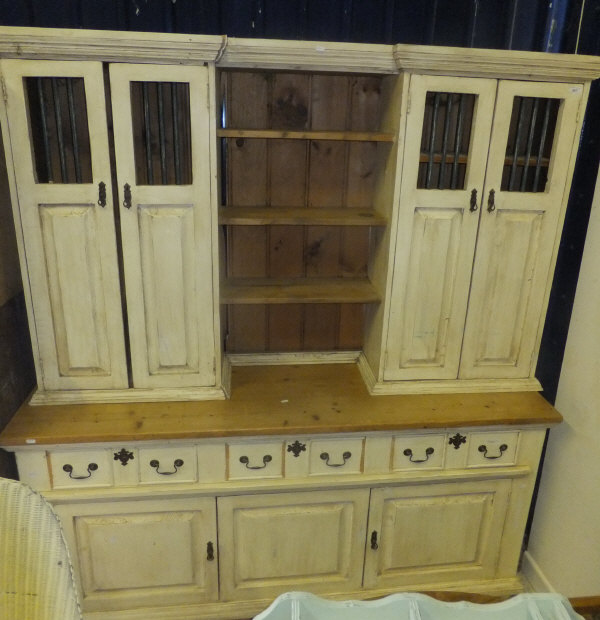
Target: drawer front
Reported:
point(493, 449)
point(73, 469)
point(336, 456)
point(255, 460)
point(419, 452)
point(168, 465)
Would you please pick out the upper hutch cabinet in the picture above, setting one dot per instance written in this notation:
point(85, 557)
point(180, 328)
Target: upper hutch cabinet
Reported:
point(187, 203)
point(484, 183)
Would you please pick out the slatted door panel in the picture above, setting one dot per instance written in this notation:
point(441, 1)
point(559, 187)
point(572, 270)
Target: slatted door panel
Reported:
point(283, 173)
point(58, 135)
point(447, 135)
point(534, 127)
point(161, 121)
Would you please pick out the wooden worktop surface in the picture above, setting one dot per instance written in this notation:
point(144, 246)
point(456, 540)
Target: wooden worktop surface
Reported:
point(275, 400)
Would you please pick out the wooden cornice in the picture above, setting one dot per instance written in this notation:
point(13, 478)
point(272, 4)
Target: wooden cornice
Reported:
point(105, 45)
point(166, 48)
point(500, 64)
point(308, 56)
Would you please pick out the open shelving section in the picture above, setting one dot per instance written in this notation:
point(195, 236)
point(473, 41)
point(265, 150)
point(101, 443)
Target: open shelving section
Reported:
point(303, 212)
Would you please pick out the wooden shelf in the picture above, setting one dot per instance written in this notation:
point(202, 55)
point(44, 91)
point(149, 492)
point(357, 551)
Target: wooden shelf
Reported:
point(315, 216)
point(294, 291)
point(277, 134)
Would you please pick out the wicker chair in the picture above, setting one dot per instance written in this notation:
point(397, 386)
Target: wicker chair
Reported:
point(36, 576)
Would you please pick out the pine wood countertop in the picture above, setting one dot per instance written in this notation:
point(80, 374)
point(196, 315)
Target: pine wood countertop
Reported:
point(275, 400)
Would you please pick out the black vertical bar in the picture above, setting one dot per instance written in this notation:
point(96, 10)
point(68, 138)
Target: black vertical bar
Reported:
point(73, 123)
point(529, 142)
point(513, 168)
point(147, 136)
point(161, 135)
point(445, 140)
point(436, 105)
point(45, 138)
point(175, 106)
point(538, 164)
point(458, 141)
point(59, 131)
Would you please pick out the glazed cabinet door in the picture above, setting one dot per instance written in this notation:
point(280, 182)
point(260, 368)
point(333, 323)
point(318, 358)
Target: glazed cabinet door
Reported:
point(532, 139)
point(273, 543)
point(143, 553)
point(59, 146)
point(435, 533)
point(162, 129)
point(447, 136)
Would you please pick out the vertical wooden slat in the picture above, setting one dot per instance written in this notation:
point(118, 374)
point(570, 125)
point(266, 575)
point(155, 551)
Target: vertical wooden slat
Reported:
point(74, 137)
point(447, 120)
point(59, 130)
point(44, 123)
point(458, 141)
point(432, 137)
point(161, 134)
point(147, 133)
point(538, 164)
point(532, 126)
point(515, 153)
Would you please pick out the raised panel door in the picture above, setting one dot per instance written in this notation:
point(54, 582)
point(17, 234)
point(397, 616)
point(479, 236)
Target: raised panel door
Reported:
point(435, 533)
point(162, 145)
point(143, 553)
point(525, 193)
point(447, 135)
point(273, 543)
point(59, 142)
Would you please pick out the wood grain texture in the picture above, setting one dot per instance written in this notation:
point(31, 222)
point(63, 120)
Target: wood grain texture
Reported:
point(258, 216)
point(305, 290)
point(271, 400)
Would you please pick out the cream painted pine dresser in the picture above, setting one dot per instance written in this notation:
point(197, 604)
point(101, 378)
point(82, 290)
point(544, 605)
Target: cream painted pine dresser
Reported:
point(285, 302)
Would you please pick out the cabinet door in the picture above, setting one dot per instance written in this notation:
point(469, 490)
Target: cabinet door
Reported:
point(143, 553)
point(164, 176)
point(447, 137)
point(59, 142)
point(525, 190)
point(273, 543)
point(435, 533)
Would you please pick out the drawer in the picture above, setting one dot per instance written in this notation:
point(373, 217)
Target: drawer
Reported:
point(255, 460)
point(419, 452)
point(81, 468)
point(168, 465)
point(336, 456)
point(489, 449)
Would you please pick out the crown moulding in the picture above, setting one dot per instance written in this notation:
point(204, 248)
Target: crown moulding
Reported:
point(506, 64)
point(109, 46)
point(167, 48)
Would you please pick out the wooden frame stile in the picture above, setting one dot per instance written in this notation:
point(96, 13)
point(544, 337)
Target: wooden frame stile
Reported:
point(372, 360)
point(12, 185)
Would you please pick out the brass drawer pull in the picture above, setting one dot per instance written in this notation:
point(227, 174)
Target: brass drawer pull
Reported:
point(483, 448)
point(491, 201)
point(92, 467)
point(210, 551)
point(267, 458)
point(428, 452)
point(177, 463)
point(374, 543)
point(325, 457)
point(473, 202)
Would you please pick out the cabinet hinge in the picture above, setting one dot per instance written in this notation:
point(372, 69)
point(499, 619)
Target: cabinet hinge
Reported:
point(4, 95)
